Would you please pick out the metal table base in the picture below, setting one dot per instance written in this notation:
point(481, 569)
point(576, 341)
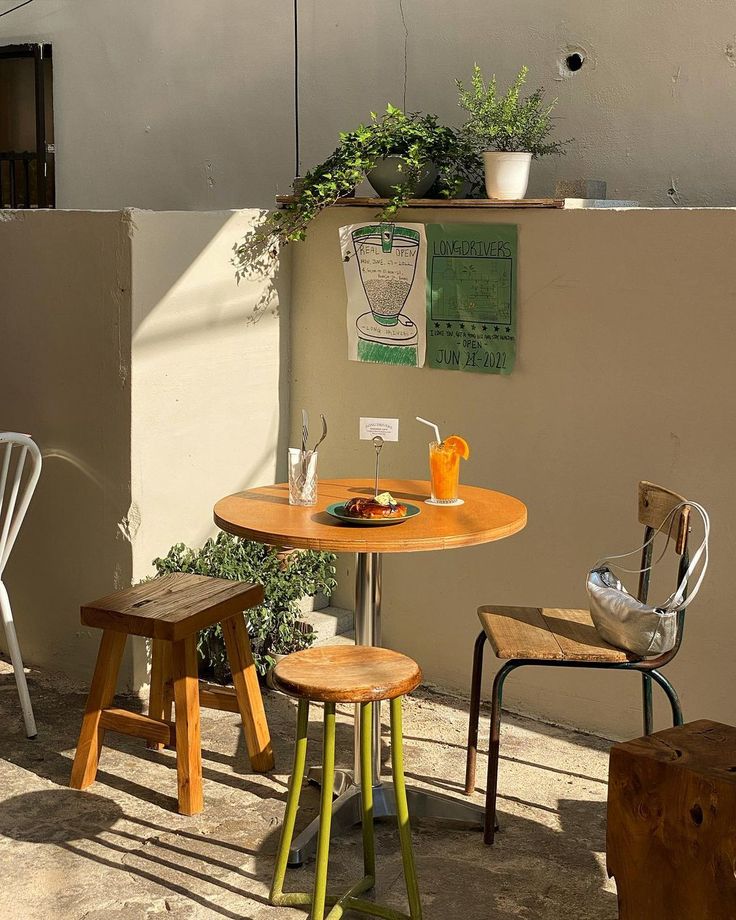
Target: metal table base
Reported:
point(346, 806)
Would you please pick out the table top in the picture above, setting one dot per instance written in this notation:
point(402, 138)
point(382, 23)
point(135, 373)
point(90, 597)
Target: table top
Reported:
point(265, 515)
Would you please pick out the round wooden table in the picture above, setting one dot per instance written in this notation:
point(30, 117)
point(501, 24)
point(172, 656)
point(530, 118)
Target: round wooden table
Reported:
point(265, 515)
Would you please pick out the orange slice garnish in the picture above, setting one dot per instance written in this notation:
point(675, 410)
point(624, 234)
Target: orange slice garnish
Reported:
point(459, 445)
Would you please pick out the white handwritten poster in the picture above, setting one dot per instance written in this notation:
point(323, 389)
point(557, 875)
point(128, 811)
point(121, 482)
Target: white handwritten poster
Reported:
point(385, 268)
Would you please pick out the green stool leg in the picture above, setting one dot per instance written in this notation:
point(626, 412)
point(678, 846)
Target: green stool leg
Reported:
point(366, 792)
point(351, 900)
point(292, 804)
point(402, 810)
point(319, 896)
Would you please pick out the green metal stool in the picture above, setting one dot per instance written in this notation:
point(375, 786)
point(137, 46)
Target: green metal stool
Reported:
point(346, 674)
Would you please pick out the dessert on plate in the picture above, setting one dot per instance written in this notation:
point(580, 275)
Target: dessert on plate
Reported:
point(382, 506)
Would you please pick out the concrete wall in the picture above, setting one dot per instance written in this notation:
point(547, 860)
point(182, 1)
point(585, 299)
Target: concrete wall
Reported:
point(153, 384)
point(166, 104)
point(186, 105)
point(65, 319)
point(625, 372)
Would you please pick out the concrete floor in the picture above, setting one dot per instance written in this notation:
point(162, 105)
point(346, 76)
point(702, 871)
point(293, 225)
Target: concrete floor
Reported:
point(119, 851)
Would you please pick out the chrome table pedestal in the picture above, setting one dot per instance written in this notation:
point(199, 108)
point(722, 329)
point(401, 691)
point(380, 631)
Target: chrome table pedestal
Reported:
point(346, 806)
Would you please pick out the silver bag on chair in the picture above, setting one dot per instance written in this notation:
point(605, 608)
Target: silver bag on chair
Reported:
point(623, 620)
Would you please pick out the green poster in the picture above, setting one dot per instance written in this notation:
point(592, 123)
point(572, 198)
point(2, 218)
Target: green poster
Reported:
point(471, 297)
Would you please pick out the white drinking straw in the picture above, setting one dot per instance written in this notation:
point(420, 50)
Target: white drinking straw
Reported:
point(431, 425)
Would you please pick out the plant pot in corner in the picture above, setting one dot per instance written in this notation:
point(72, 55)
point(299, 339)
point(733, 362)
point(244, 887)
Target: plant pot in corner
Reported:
point(391, 171)
point(506, 174)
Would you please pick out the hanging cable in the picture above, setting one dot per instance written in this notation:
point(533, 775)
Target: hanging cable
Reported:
point(13, 9)
point(296, 87)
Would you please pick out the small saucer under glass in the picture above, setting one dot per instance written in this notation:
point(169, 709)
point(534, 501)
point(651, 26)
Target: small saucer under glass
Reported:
point(444, 502)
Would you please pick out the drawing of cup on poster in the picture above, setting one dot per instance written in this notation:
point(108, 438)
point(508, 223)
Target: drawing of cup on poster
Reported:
point(385, 266)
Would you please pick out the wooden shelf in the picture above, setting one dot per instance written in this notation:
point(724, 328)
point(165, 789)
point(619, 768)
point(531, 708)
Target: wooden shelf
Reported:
point(282, 200)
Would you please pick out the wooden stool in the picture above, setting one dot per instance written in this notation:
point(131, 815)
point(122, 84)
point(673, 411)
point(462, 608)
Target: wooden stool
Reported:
point(671, 816)
point(346, 674)
point(170, 611)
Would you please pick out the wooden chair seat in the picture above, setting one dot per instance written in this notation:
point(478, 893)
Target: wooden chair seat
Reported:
point(546, 634)
point(172, 607)
point(347, 674)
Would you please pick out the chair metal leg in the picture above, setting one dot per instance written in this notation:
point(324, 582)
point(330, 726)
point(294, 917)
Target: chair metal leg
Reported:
point(671, 696)
point(351, 900)
point(17, 661)
point(402, 810)
point(319, 896)
point(489, 829)
point(646, 699)
point(475, 688)
point(366, 792)
point(277, 895)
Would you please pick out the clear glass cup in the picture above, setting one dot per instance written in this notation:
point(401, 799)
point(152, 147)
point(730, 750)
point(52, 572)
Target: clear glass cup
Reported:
point(302, 477)
point(444, 472)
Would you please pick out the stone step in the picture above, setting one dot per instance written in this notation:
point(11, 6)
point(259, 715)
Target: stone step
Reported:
point(329, 622)
point(308, 604)
point(347, 638)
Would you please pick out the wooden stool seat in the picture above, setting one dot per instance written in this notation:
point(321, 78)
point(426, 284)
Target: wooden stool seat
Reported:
point(170, 611)
point(171, 607)
point(546, 634)
point(347, 674)
point(670, 830)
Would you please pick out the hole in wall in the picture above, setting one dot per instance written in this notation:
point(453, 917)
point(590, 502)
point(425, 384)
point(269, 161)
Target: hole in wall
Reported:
point(571, 59)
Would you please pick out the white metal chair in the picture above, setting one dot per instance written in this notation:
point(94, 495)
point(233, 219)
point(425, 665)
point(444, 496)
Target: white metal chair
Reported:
point(19, 488)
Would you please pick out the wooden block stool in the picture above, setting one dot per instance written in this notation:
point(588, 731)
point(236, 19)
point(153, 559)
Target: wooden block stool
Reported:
point(170, 611)
point(346, 674)
point(671, 843)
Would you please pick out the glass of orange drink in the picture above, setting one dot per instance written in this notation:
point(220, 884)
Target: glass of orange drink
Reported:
point(444, 468)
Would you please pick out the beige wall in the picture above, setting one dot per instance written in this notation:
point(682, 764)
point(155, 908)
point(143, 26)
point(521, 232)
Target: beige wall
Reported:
point(209, 390)
point(625, 371)
point(65, 378)
point(180, 104)
point(153, 384)
point(130, 354)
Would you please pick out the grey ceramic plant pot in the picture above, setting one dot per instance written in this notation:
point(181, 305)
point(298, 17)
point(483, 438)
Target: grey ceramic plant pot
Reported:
point(391, 171)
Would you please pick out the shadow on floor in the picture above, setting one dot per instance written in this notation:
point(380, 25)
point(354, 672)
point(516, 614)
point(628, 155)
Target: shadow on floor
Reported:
point(538, 868)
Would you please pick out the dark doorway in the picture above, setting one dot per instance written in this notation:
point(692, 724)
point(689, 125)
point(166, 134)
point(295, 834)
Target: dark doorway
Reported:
point(26, 127)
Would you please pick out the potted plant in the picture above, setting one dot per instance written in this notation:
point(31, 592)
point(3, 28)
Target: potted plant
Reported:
point(410, 149)
point(402, 154)
point(507, 130)
point(274, 627)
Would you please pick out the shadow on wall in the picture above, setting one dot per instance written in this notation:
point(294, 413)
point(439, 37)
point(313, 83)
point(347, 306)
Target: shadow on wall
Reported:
point(145, 373)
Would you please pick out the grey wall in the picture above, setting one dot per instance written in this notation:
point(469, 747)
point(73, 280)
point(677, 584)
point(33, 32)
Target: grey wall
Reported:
point(165, 104)
point(177, 104)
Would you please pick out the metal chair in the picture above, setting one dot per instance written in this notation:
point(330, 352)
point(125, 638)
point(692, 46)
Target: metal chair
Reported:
point(552, 637)
point(18, 449)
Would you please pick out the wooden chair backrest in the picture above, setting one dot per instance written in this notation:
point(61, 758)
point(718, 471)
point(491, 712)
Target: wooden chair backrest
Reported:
point(655, 503)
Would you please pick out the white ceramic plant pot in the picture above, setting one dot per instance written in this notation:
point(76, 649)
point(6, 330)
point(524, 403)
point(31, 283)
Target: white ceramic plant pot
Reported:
point(507, 174)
